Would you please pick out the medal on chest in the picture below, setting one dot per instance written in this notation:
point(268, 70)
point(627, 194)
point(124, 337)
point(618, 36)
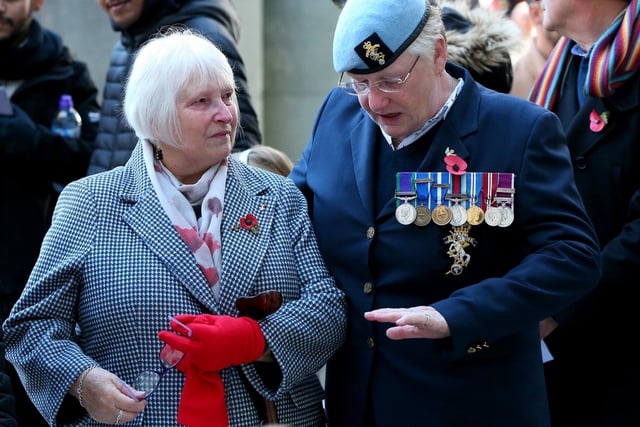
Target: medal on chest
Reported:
point(458, 199)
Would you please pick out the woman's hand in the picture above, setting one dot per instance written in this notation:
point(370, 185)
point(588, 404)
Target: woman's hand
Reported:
point(105, 397)
point(414, 322)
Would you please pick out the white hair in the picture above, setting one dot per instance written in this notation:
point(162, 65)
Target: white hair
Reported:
point(425, 44)
point(172, 61)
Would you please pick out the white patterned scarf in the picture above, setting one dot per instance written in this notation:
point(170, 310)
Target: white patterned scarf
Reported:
point(201, 235)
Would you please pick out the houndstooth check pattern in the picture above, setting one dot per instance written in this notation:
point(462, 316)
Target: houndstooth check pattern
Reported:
point(112, 269)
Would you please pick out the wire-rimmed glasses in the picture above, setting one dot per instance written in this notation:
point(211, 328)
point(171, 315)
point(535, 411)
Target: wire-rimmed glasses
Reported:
point(148, 381)
point(389, 85)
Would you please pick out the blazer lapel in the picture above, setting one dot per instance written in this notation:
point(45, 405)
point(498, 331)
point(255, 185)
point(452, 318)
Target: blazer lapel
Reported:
point(243, 250)
point(149, 221)
point(363, 139)
point(458, 123)
point(580, 134)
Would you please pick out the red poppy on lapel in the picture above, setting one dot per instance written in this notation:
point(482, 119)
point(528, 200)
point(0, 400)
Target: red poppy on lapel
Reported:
point(597, 121)
point(455, 164)
point(248, 222)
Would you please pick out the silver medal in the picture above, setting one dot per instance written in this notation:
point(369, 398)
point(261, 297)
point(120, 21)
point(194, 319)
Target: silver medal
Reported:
point(492, 216)
point(506, 216)
point(406, 213)
point(459, 215)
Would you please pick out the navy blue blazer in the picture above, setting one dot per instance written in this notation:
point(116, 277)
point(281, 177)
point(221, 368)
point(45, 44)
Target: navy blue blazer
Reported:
point(489, 372)
point(112, 269)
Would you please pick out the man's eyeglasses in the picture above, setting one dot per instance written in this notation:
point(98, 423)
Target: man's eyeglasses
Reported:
point(385, 85)
point(148, 381)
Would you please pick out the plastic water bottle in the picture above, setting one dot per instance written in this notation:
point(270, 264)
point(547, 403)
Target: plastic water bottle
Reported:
point(67, 121)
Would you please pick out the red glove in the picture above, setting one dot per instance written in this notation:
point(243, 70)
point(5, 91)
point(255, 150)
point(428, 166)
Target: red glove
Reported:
point(202, 401)
point(217, 341)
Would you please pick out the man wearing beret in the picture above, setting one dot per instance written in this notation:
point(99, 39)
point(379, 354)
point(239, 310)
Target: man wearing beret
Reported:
point(448, 214)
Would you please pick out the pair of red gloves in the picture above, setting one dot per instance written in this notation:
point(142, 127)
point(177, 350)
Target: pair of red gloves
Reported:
point(216, 342)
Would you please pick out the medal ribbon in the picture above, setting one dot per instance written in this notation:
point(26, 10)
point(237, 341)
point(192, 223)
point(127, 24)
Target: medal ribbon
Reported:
point(464, 190)
point(506, 181)
point(489, 186)
point(441, 191)
point(473, 190)
point(422, 181)
point(404, 188)
point(455, 188)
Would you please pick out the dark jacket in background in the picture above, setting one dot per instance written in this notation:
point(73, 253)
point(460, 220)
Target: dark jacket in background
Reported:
point(594, 362)
point(7, 400)
point(218, 21)
point(32, 160)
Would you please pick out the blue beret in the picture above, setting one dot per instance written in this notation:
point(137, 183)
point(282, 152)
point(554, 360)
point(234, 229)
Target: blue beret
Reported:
point(371, 34)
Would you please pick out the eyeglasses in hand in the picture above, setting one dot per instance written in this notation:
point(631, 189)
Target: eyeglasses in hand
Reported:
point(148, 381)
point(256, 307)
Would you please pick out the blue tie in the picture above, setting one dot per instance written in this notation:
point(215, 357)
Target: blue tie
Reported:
point(582, 76)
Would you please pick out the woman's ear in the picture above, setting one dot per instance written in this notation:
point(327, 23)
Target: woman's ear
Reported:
point(440, 55)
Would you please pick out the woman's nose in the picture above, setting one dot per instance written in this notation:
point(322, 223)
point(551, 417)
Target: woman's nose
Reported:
point(223, 112)
point(376, 98)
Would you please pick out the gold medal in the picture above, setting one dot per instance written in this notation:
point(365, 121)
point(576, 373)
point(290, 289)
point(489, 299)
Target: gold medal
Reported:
point(423, 216)
point(441, 215)
point(475, 216)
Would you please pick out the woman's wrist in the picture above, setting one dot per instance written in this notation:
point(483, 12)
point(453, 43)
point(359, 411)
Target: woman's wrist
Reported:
point(80, 383)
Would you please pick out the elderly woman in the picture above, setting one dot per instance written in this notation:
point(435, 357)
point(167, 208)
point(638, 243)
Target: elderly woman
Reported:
point(182, 230)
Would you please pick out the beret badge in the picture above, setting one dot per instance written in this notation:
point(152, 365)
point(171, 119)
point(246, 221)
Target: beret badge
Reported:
point(373, 51)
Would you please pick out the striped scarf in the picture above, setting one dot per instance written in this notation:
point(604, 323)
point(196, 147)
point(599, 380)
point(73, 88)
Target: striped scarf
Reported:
point(613, 59)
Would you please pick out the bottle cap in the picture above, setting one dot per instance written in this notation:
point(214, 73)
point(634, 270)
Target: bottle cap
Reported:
point(65, 102)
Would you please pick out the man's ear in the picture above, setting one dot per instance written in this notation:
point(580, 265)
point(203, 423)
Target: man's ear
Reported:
point(37, 5)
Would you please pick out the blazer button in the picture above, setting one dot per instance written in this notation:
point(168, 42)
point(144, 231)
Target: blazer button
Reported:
point(581, 162)
point(370, 343)
point(371, 232)
point(368, 287)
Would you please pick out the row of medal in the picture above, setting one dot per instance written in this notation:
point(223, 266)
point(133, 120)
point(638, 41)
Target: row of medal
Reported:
point(456, 199)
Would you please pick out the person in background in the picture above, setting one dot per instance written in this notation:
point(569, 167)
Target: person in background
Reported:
point(181, 230)
point(530, 64)
point(518, 12)
point(137, 20)
point(36, 68)
point(591, 82)
point(481, 40)
point(449, 216)
point(267, 158)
